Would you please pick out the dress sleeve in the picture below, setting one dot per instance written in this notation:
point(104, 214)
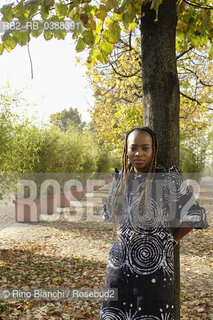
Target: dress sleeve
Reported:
point(106, 210)
point(186, 207)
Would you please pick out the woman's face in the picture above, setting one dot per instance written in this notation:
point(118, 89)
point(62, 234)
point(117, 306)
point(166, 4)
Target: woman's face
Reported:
point(139, 150)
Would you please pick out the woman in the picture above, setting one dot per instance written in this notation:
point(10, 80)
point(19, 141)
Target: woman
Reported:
point(147, 201)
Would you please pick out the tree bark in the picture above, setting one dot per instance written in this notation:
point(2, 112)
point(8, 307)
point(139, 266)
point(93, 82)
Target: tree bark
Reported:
point(161, 98)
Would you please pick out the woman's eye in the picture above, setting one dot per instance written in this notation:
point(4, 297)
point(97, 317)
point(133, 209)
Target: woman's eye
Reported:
point(134, 148)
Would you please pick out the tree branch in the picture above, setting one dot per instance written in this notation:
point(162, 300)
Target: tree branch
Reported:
point(125, 99)
point(123, 75)
point(138, 95)
point(195, 74)
point(130, 40)
point(184, 52)
point(198, 5)
point(138, 87)
point(31, 64)
point(190, 98)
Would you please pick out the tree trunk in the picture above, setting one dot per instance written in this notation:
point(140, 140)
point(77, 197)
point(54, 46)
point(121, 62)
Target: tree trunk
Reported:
point(160, 79)
point(161, 99)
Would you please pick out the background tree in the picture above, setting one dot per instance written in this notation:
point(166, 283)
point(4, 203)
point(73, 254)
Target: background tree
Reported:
point(37, 151)
point(117, 96)
point(65, 118)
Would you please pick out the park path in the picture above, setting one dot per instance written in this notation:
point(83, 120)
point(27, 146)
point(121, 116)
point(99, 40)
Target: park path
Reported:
point(88, 213)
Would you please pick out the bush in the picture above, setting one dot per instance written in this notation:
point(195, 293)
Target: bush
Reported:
point(191, 163)
point(103, 161)
point(116, 160)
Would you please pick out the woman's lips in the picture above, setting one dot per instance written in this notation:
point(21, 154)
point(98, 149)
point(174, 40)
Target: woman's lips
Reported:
point(139, 161)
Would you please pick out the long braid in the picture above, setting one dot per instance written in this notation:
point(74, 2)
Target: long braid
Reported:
point(126, 169)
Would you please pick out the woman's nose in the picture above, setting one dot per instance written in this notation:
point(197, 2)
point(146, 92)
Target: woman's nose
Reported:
point(139, 152)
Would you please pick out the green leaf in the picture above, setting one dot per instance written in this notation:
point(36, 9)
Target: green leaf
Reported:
point(21, 37)
point(78, 28)
point(75, 35)
point(10, 43)
point(19, 10)
point(61, 10)
point(32, 6)
point(117, 16)
point(106, 35)
point(90, 63)
point(45, 12)
point(48, 35)
point(90, 10)
point(54, 18)
point(45, 9)
point(106, 46)
point(48, 2)
point(25, 16)
point(126, 19)
point(80, 45)
point(36, 33)
point(7, 11)
point(37, 30)
point(101, 13)
point(131, 11)
point(59, 34)
point(84, 18)
point(102, 57)
point(5, 36)
point(91, 24)
point(97, 38)
point(111, 5)
point(195, 39)
point(115, 31)
point(131, 26)
point(93, 53)
point(206, 22)
point(1, 49)
point(88, 37)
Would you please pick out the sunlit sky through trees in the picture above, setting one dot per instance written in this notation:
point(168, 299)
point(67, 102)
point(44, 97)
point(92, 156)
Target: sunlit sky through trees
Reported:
point(58, 80)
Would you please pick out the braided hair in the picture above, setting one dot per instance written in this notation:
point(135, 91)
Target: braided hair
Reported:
point(121, 188)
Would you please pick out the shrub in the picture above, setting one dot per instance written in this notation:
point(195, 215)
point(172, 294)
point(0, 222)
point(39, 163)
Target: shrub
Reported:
point(192, 163)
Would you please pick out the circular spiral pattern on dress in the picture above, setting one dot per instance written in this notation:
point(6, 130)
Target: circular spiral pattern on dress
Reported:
point(169, 256)
point(169, 209)
point(146, 317)
point(112, 313)
point(117, 255)
point(145, 254)
point(176, 184)
point(152, 217)
point(123, 226)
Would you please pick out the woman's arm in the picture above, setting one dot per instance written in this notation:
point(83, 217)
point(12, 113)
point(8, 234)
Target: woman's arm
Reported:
point(189, 213)
point(183, 230)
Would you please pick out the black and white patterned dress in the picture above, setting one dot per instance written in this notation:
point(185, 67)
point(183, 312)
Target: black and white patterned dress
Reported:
point(140, 264)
